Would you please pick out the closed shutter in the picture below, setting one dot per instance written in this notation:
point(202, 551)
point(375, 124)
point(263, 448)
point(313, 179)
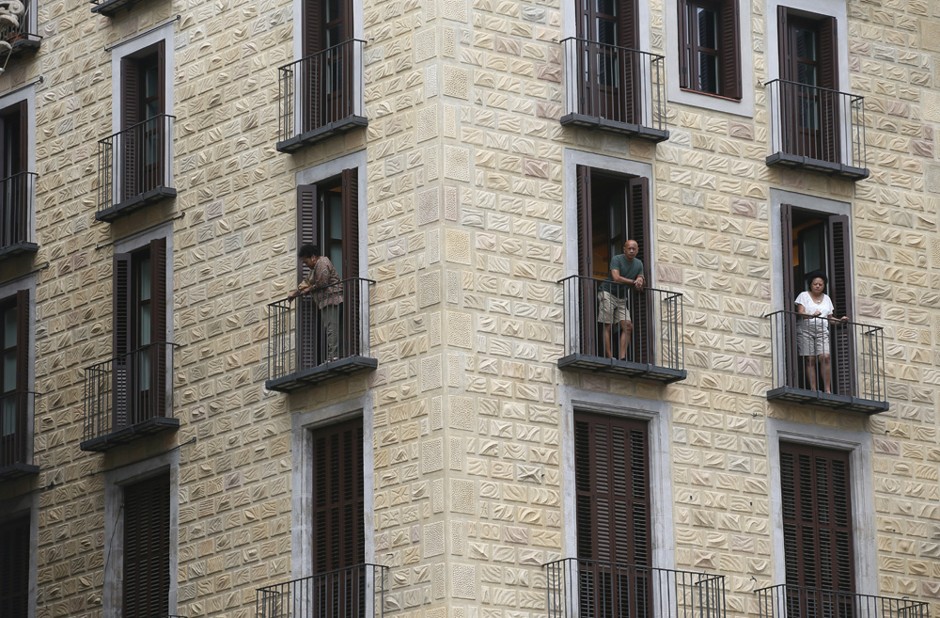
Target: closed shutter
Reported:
point(638, 214)
point(829, 102)
point(729, 51)
point(351, 325)
point(338, 519)
point(843, 347)
point(14, 568)
point(686, 61)
point(120, 364)
point(627, 108)
point(146, 585)
point(613, 515)
point(129, 144)
point(159, 353)
point(786, 334)
point(21, 449)
point(817, 523)
point(307, 314)
point(584, 290)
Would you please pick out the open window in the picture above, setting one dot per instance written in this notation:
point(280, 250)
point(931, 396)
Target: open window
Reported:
point(17, 182)
point(709, 47)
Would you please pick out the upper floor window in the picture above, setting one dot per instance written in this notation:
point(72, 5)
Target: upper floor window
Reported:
point(15, 397)
point(14, 567)
point(17, 181)
point(709, 47)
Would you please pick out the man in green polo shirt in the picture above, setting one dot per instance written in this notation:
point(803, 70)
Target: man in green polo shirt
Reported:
point(626, 274)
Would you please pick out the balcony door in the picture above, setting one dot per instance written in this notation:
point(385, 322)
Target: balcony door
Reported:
point(819, 242)
point(338, 520)
point(810, 101)
point(612, 208)
point(14, 567)
point(328, 216)
point(325, 72)
point(140, 349)
point(144, 138)
point(14, 184)
point(608, 64)
point(14, 379)
point(613, 516)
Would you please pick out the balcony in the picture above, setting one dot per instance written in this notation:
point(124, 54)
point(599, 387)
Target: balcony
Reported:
point(15, 451)
point(128, 397)
point(579, 587)
point(655, 351)
point(783, 601)
point(17, 201)
point(817, 129)
point(16, 36)
point(135, 168)
point(854, 368)
point(300, 349)
point(354, 592)
point(615, 89)
point(109, 8)
point(320, 96)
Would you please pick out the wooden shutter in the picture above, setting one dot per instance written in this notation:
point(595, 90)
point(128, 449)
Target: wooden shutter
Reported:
point(817, 522)
point(14, 567)
point(307, 314)
point(338, 497)
point(146, 586)
point(583, 290)
point(627, 105)
point(785, 334)
point(128, 144)
point(828, 79)
point(686, 61)
point(121, 318)
point(613, 515)
point(312, 27)
point(638, 215)
point(729, 51)
point(159, 353)
point(352, 291)
point(21, 452)
point(843, 345)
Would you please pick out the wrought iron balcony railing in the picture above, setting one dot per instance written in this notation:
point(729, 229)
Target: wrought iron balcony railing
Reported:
point(817, 128)
point(590, 588)
point(615, 88)
point(320, 95)
point(17, 199)
point(17, 31)
point(354, 592)
point(654, 350)
point(783, 601)
point(15, 451)
point(129, 396)
point(319, 336)
point(135, 168)
point(828, 363)
point(110, 8)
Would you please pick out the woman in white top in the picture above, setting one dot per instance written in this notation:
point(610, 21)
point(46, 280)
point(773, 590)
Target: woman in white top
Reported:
point(816, 309)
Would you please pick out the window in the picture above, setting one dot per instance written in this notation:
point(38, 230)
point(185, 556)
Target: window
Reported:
point(814, 242)
point(141, 354)
point(14, 567)
point(613, 515)
point(143, 118)
point(612, 208)
point(146, 576)
point(708, 47)
point(329, 59)
point(16, 181)
point(15, 434)
point(817, 521)
point(809, 107)
point(328, 216)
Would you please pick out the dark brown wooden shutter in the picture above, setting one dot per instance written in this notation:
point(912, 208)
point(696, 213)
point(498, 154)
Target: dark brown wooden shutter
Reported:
point(128, 144)
point(121, 318)
point(631, 73)
point(22, 377)
point(307, 219)
point(829, 103)
point(843, 344)
point(783, 44)
point(585, 288)
point(146, 585)
point(307, 314)
point(585, 250)
point(686, 62)
point(351, 289)
point(729, 41)
point(817, 521)
point(159, 354)
point(785, 333)
point(313, 27)
point(638, 214)
point(338, 497)
point(14, 567)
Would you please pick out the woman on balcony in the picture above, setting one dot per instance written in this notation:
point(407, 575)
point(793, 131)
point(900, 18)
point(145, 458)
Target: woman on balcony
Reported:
point(815, 308)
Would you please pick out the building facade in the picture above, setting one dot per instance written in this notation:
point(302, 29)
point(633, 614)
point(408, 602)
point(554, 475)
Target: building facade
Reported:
point(464, 426)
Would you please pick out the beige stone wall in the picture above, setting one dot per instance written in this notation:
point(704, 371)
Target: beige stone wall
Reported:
point(466, 234)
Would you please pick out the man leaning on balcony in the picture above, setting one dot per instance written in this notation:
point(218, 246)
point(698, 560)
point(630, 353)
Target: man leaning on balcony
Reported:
point(324, 284)
point(613, 300)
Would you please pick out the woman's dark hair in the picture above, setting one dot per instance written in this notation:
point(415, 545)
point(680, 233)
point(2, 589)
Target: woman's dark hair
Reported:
point(817, 274)
point(308, 251)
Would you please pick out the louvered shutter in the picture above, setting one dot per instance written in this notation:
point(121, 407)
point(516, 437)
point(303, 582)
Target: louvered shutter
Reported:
point(311, 68)
point(686, 62)
point(146, 582)
point(351, 326)
point(584, 290)
point(613, 515)
point(338, 519)
point(307, 314)
point(627, 106)
point(128, 145)
point(817, 523)
point(729, 51)
point(159, 354)
point(786, 329)
point(638, 214)
point(14, 567)
point(828, 80)
point(121, 317)
point(787, 92)
point(21, 450)
point(843, 344)
point(159, 128)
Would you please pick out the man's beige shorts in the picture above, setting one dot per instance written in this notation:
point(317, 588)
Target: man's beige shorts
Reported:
point(611, 309)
